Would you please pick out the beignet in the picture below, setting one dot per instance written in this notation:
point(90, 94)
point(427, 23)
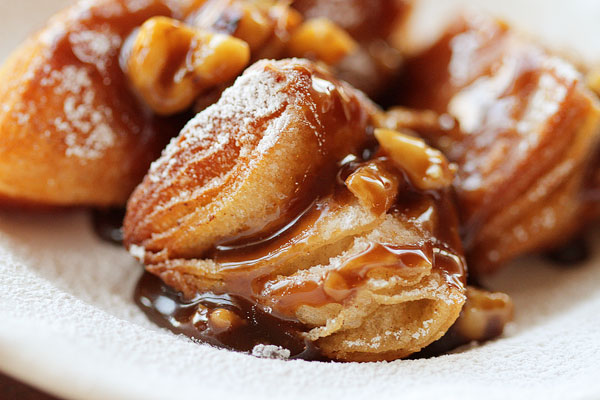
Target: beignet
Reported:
point(521, 127)
point(71, 133)
point(277, 194)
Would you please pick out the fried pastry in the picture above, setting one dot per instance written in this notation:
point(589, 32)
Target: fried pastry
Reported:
point(274, 203)
point(70, 131)
point(520, 125)
point(483, 317)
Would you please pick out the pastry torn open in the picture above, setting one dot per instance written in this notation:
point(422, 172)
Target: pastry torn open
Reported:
point(280, 194)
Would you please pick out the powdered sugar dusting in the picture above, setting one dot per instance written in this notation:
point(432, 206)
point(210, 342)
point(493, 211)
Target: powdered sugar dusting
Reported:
point(372, 343)
point(254, 97)
point(423, 331)
point(270, 351)
point(137, 5)
point(96, 46)
point(84, 123)
point(138, 252)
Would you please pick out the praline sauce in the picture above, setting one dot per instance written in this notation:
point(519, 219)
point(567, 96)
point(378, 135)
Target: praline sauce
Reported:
point(254, 323)
point(167, 308)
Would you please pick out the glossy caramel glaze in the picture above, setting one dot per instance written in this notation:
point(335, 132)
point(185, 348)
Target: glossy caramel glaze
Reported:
point(268, 312)
point(248, 264)
point(525, 128)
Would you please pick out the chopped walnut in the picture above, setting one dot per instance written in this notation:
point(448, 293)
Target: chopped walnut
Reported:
point(426, 167)
point(170, 63)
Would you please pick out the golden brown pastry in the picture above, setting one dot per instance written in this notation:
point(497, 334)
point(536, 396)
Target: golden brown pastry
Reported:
point(71, 133)
point(275, 195)
point(519, 124)
point(483, 317)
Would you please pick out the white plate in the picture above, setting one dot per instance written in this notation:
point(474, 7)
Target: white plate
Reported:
point(68, 324)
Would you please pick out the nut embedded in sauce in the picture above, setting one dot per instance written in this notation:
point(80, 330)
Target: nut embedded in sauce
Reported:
point(374, 186)
point(170, 64)
point(221, 320)
point(426, 167)
point(484, 317)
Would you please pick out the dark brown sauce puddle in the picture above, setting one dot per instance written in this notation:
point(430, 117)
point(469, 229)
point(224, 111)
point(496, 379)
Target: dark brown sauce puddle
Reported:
point(256, 324)
point(168, 309)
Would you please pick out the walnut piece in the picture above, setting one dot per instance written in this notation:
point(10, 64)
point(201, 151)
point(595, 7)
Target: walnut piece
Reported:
point(170, 64)
point(426, 167)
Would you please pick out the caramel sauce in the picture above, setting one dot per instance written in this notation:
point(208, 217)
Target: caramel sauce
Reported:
point(342, 283)
point(170, 310)
point(249, 264)
point(266, 308)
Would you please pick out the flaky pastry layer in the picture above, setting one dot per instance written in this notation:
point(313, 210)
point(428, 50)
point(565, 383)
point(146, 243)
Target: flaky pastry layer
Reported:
point(368, 284)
